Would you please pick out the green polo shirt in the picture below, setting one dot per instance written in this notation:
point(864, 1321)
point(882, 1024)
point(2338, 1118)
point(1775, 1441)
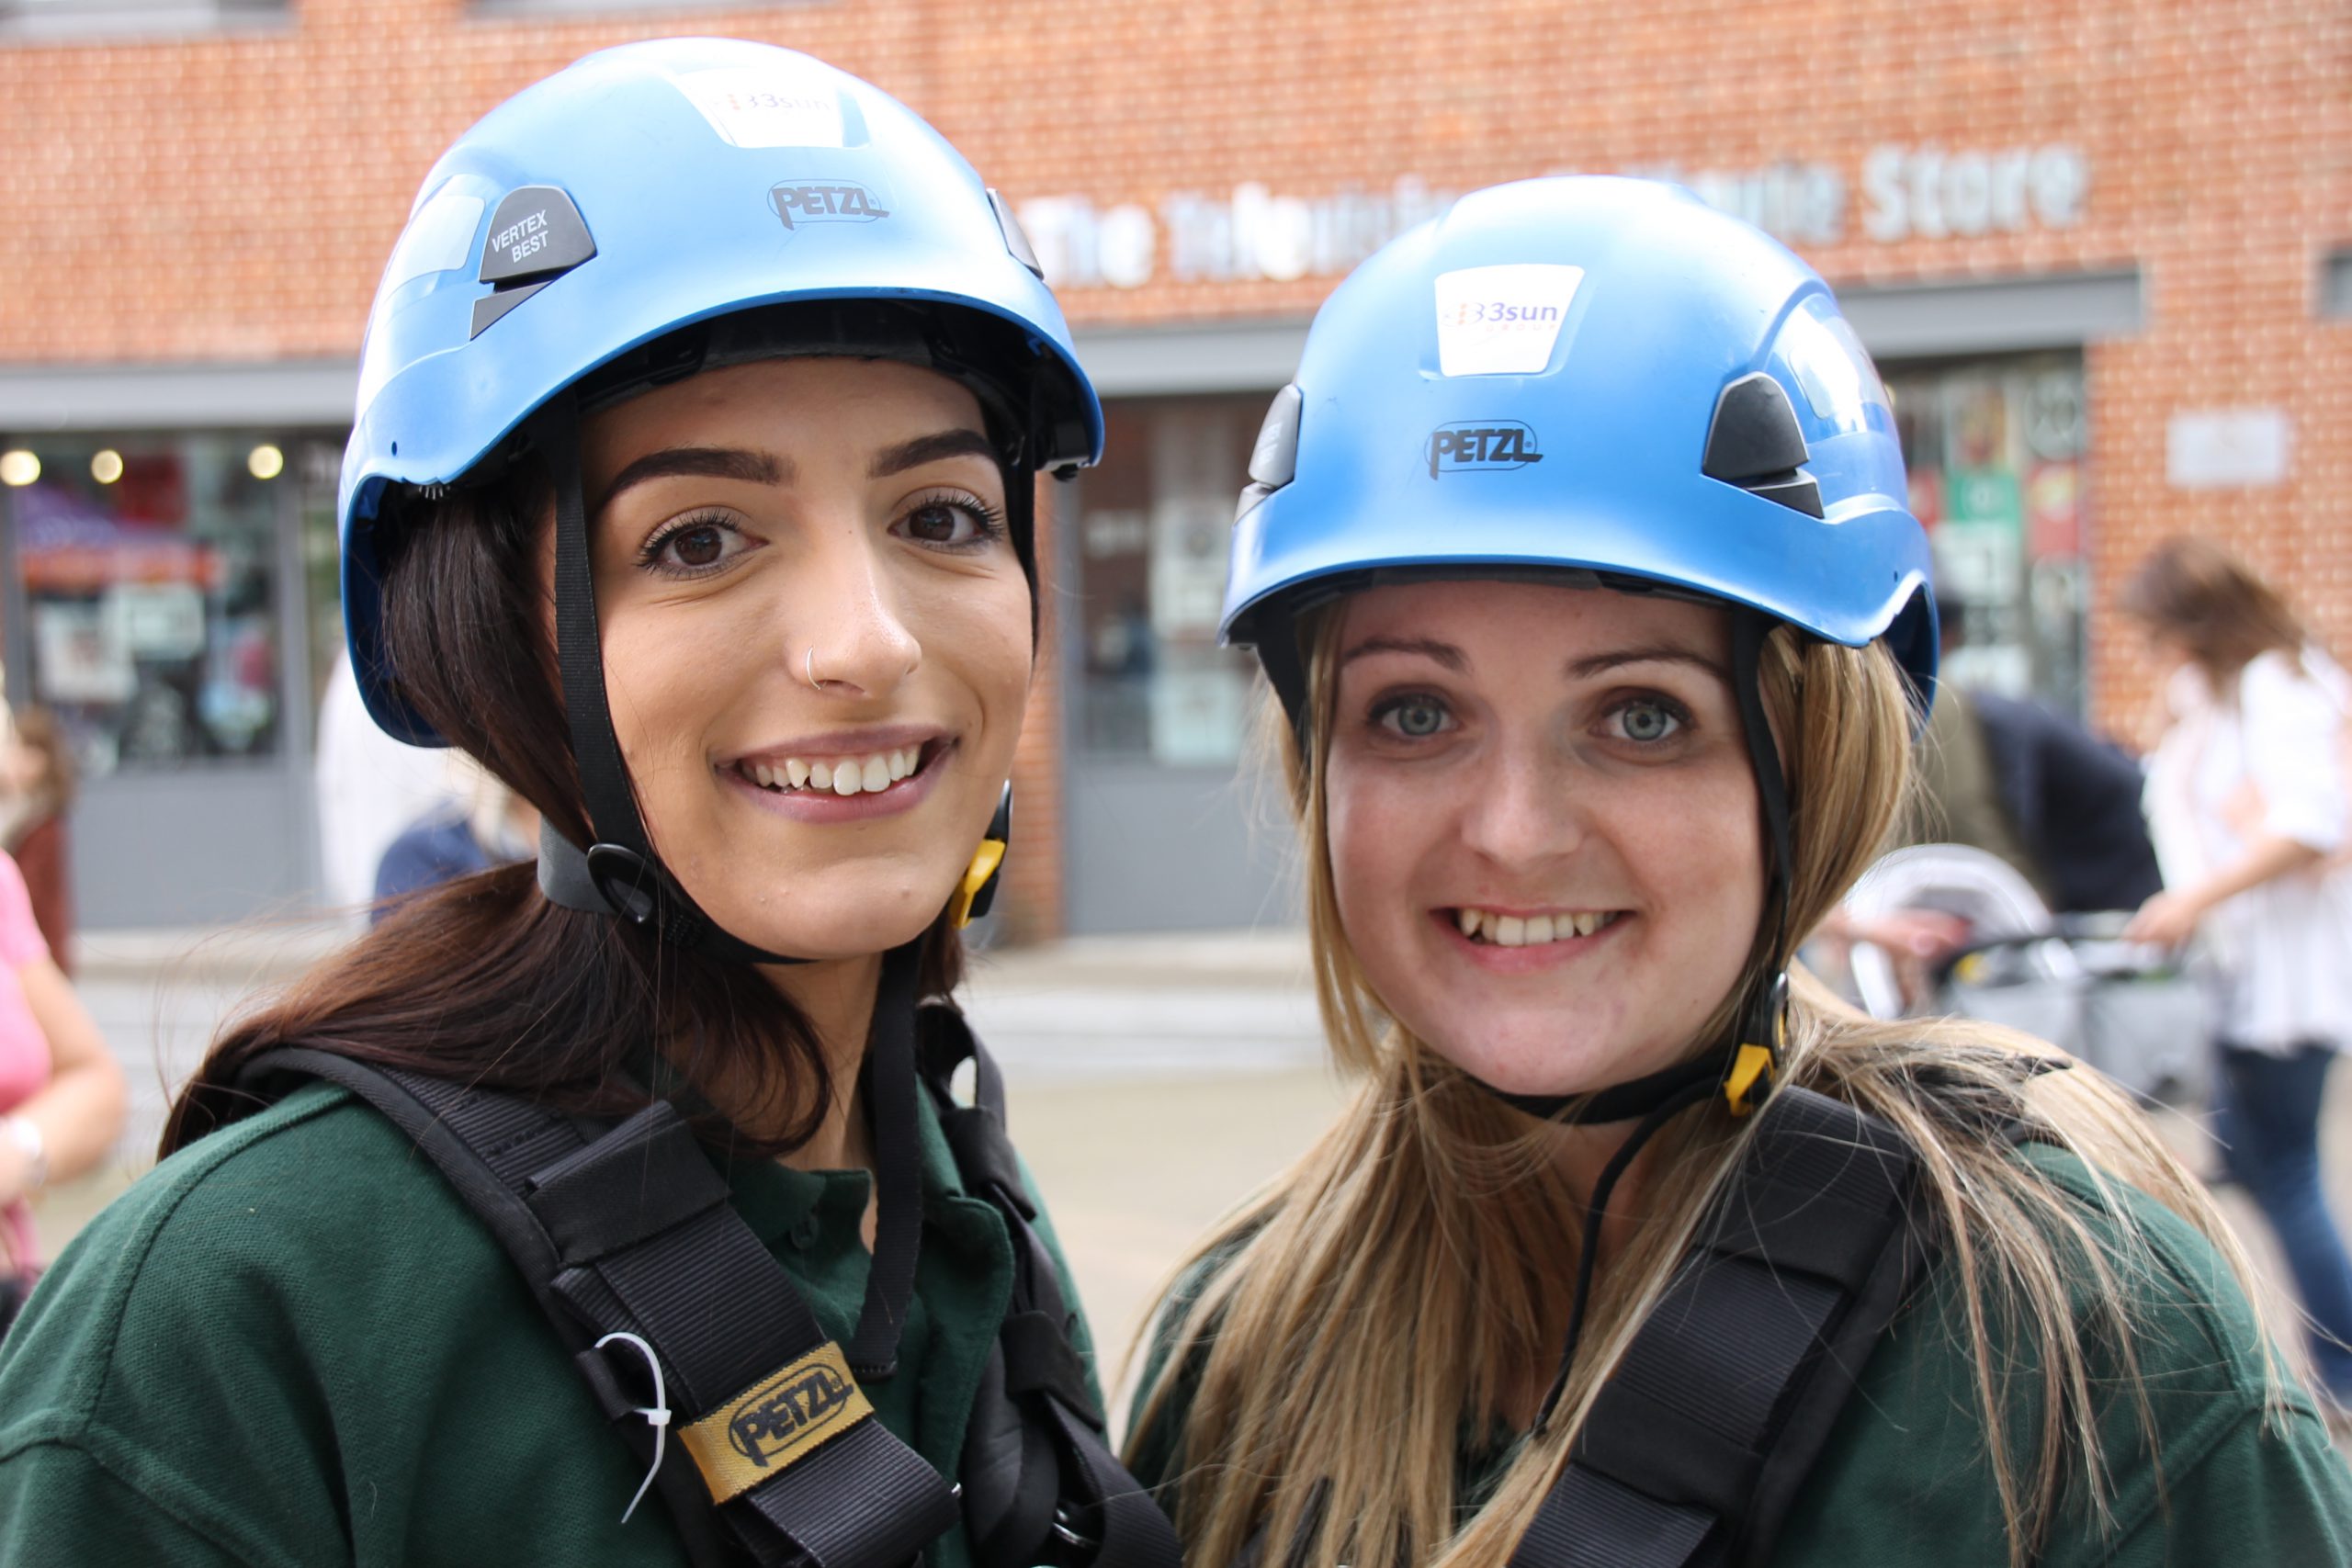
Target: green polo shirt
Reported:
point(1905, 1482)
point(291, 1344)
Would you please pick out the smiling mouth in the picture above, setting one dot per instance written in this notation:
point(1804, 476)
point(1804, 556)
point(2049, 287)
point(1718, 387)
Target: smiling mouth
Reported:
point(1486, 929)
point(869, 773)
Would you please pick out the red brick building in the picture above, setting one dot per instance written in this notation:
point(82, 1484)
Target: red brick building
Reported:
point(2102, 250)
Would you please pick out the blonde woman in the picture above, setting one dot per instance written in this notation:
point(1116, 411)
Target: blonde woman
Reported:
point(1579, 558)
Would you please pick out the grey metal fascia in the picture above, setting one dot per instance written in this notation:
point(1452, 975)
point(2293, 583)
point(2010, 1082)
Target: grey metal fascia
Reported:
point(39, 398)
point(1995, 315)
point(1227, 356)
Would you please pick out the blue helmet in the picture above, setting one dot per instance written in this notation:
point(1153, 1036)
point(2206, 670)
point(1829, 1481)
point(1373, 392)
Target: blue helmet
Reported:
point(567, 238)
point(1594, 374)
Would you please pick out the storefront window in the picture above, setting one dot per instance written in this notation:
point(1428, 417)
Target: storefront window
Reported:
point(1995, 450)
point(1155, 523)
point(150, 590)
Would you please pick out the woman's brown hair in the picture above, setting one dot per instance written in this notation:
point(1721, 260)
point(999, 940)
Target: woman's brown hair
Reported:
point(483, 979)
point(37, 730)
point(2199, 595)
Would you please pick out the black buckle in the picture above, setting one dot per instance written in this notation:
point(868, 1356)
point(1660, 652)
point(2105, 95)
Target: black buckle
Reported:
point(626, 881)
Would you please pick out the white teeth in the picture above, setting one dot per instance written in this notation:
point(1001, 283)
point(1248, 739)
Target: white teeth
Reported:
point(850, 775)
point(1531, 930)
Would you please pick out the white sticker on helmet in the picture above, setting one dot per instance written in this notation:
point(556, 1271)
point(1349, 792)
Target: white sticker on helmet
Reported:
point(764, 106)
point(1502, 321)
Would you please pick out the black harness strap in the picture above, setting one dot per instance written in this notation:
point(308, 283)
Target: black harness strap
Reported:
point(1085, 1507)
point(631, 1230)
point(1698, 1442)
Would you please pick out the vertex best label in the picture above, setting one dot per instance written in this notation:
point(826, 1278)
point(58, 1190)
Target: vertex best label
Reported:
point(1502, 321)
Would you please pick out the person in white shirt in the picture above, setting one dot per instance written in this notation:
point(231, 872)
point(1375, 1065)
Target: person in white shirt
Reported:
point(371, 788)
point(2246, 800)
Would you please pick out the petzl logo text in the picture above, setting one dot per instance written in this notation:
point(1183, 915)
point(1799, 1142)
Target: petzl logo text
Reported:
point(841, 203)
point(1481, 444)
point(794, 1409)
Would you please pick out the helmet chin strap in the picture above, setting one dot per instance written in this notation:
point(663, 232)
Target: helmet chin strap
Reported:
point(1743, 1071)
point(618, 873)
point(1746, 1066)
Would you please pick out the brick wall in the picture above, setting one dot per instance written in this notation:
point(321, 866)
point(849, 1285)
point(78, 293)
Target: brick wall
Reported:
point(232, 197)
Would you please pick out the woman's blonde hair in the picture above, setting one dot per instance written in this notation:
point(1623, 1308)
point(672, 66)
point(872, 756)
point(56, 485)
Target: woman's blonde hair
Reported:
point(1404, 1281)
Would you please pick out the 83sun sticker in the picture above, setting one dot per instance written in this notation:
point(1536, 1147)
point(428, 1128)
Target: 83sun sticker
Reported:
point(764, 106)
point(1502, 321)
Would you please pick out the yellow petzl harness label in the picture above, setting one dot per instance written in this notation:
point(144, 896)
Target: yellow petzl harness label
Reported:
point(776, 1421)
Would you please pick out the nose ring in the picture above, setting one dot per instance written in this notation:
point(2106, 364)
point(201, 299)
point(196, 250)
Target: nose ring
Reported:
point(808, 665)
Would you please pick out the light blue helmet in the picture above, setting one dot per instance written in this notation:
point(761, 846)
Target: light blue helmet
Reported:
point(1595, 374)
point(655, 186)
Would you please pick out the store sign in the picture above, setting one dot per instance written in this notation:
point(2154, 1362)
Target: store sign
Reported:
point(1259, 234)
point(2228, 448)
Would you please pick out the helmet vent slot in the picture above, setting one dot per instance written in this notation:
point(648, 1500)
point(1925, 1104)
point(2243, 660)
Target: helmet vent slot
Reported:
point(1755, 444)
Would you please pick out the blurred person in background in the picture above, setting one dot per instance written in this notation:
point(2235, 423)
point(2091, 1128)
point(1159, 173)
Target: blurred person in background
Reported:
point(36, 778)
point(491, 826)
point(2246, 795)
point(638, 1171)
point(62, 1094)
point(1635, 1246)
point(2036, 789)
point(2033, 788)
point(371, 788)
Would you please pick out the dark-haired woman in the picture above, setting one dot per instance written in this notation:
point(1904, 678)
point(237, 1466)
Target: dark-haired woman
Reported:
point(704, 524)
point(2248, 801)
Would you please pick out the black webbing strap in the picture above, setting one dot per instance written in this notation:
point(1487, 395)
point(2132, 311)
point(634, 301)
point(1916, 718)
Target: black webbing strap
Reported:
point(619, 873)
point(892, 1090)
point(1700, 1438)
point(1100, 1512)
point(631, 1230)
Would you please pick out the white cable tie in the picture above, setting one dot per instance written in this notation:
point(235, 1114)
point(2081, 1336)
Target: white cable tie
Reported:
point(657, 1415)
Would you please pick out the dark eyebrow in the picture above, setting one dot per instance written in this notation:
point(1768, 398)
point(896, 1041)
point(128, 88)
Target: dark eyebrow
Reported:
point(1442, 653)
point(959, 442)
point(708, 462)
point(1658, 653)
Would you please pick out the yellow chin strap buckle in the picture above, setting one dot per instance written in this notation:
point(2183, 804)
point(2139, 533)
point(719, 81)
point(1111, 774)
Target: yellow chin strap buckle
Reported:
point(1753, 1066)
point(1754, 1069)
point(977, 890)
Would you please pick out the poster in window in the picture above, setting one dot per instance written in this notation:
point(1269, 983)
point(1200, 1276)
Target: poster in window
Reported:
point(79, 656)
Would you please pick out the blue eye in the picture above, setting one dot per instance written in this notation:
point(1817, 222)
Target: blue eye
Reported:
point(1414, 718)
point(1647, 723)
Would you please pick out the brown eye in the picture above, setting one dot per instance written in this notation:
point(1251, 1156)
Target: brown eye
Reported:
point(698, 547)
point(937, 523)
